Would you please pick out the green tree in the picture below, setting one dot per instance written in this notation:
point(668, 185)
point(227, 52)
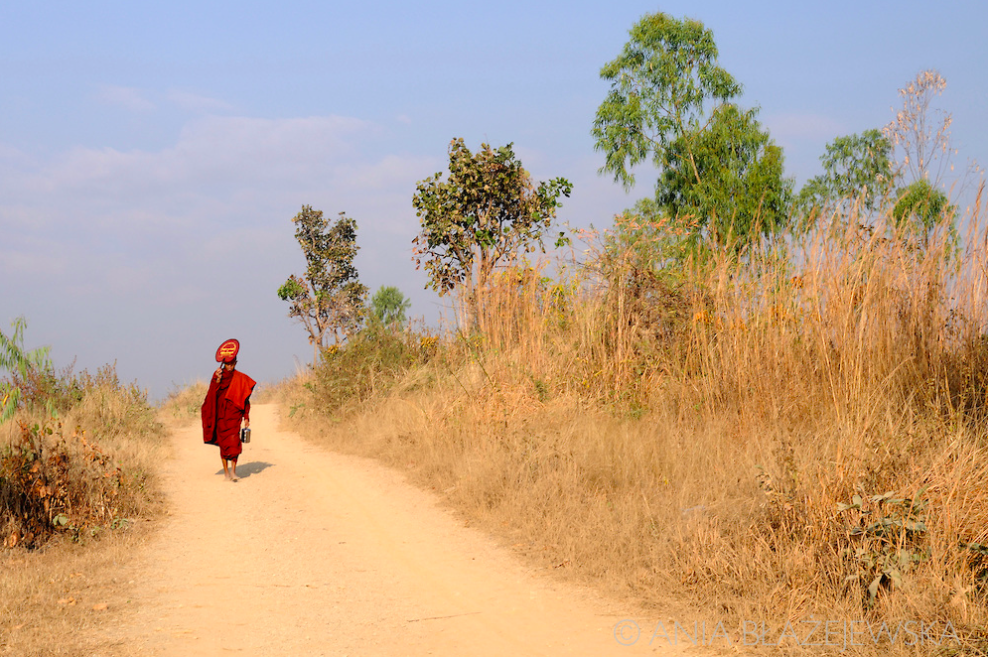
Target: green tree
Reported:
point(862, 174)
point(19, 363)
point(487, 209)
point(740, 191)
point(669, 103)
point(920, 208)
point(857, 174)
point(329, 299)
point(388, 307)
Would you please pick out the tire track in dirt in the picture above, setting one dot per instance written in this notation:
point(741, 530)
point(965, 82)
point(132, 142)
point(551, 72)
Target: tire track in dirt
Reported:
point(317, 553)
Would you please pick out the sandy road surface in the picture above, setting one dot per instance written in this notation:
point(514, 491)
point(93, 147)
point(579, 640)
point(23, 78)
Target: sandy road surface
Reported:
point(315, 553)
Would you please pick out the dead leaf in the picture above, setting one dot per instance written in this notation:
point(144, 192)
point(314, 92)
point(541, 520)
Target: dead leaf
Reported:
point(66, 601)
point(101, 606)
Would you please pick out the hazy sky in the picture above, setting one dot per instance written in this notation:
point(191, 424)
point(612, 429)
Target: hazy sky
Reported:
point(152, 155)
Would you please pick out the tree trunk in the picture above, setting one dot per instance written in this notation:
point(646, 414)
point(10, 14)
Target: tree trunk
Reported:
point(469, 307)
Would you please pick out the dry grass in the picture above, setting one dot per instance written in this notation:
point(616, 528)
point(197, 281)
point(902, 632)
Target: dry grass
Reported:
point(184, 404)
point(56, 600)
point(694, 440)
point(73, 492)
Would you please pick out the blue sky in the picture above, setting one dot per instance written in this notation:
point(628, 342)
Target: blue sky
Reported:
point(152, 155)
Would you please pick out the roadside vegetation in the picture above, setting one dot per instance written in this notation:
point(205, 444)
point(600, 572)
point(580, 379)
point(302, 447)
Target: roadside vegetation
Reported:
point(768, 441)
point(78, 455)
point(757, 403)
point(184, 404)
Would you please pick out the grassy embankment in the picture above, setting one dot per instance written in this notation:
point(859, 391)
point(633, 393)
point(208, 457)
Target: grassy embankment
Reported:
point(725, 438)
point(74, 491)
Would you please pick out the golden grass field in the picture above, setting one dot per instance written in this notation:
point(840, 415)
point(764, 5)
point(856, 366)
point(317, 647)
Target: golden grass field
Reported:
point(796, 433)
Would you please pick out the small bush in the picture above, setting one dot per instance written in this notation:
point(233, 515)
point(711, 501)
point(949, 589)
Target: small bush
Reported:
point(63, 390)
point(52, 482)
point(89, 469)
point(371, 362)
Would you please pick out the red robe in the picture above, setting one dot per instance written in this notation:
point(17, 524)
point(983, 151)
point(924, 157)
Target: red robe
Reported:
point(227, 404)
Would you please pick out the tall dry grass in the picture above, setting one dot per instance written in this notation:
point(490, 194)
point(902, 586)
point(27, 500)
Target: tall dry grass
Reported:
point(795, 432)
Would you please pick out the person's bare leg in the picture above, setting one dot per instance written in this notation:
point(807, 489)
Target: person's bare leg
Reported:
point(233, 470)
point(226, 470)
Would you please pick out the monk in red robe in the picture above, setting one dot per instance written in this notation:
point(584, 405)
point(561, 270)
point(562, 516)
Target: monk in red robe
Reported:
point(227, 405)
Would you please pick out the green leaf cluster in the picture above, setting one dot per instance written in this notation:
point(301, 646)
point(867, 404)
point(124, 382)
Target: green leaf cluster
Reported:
point(922, 207)
point(739, 191)
point(860, 178)
point(661, 85)
point(890, 536)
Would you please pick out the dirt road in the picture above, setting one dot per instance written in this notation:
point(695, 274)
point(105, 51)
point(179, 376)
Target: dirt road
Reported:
point(315, 553)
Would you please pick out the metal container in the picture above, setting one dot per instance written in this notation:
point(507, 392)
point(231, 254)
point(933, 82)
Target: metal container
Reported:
point(245, 435)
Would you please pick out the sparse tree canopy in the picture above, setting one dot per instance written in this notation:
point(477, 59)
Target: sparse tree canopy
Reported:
point(669, 103)
point(329, 299)
point(488, 209)
point(661, 86)
point(921, 132)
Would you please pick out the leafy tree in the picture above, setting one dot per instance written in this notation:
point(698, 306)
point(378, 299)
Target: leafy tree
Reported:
point(388, 306)
point(20, 364)
point(669, 103)
point(486, 210)
point(329, 299)
point(740, 190)
point(861, 171)
point(920, 207)
point(858, 173)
